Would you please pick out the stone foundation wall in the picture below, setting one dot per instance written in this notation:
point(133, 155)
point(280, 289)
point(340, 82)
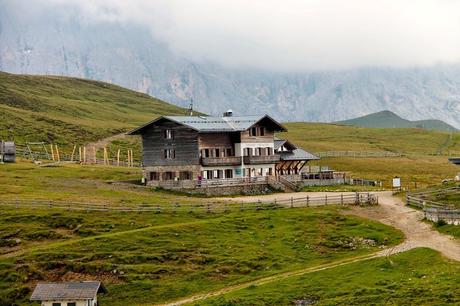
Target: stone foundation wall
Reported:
point(231, 190)
point(195, 169)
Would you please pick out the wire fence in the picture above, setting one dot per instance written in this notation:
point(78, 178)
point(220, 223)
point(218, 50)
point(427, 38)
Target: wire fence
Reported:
point(208, 207)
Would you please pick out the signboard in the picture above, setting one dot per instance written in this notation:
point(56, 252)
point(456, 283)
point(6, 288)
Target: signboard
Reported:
point(238, 171)
point(396, 182)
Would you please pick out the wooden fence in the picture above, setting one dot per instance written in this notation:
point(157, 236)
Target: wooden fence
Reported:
point(433, 210)
point(220, 207)
point(366, 154)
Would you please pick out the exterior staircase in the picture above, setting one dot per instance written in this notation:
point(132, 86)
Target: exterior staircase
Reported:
point(282, 183)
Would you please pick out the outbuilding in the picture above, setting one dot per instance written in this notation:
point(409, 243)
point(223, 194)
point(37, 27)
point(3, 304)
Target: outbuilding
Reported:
point(82, 293)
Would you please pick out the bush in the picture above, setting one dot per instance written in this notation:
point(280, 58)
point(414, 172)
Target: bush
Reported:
point(440, 223)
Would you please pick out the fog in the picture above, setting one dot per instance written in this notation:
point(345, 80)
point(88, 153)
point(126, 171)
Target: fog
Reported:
point(288, 35)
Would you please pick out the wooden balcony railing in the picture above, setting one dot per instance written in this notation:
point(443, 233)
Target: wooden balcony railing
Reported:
point(221, 161)
point(261, 159)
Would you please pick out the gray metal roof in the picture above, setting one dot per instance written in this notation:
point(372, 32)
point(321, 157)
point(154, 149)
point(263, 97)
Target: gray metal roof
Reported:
point(66, 291)
point(278, 143)
point(297, 154)
point(214, 124)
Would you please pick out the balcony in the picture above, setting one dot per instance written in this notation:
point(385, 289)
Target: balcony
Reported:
point(221, 161)
point(261, 159)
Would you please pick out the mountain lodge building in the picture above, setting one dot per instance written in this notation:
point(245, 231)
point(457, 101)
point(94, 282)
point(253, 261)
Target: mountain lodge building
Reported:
point(200, 148)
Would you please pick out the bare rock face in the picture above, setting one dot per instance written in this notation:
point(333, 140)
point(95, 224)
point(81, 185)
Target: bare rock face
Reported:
point(128, 55)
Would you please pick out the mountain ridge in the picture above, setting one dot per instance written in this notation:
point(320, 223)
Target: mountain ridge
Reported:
point(389, 119)
point(128, 55)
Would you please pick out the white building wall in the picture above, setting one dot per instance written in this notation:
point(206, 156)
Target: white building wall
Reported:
point(64, 303)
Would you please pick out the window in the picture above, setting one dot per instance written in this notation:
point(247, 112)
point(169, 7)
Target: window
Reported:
point(270, 171)
point(262, 131)
point(229, 152)
point(168, 175)
point(154, 176)
point(218, 174)
point(253, 131)
point(247, 151)
point(170, 153)
point(269, 151)
point(71, 304)
point(228, 173)
point(205, 153)
point(169, 134)
point(56, 304)
point(185, 175)
point(216, 152)
point(208, 174)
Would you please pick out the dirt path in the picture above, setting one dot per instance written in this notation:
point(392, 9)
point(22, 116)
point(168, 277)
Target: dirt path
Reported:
point(287, 196)
point(269, 279)
point(100, 144)
point(50, 245)
point(391, 211)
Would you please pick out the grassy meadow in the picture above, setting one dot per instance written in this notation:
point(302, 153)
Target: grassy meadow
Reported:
point(150, 258)
point(71, 111)
point(77, 183)
point(417, 277)
point(320, 137)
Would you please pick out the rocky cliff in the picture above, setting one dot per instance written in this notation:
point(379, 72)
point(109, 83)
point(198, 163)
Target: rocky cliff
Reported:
point(128, 55)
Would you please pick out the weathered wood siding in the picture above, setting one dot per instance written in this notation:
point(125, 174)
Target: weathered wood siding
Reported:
point(185, 144)
point(268, 136)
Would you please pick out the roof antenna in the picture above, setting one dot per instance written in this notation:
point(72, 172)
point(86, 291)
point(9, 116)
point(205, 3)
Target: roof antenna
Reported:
point(190, 108)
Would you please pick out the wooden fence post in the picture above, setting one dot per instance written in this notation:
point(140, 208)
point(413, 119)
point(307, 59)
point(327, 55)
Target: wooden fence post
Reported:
point(73, 153)
point(52, 152)
point(308, 201)
point(118, 157)
point(292, 202)
point(325, 199)
point(341, 198)
point(84, 155)
point(58, 156)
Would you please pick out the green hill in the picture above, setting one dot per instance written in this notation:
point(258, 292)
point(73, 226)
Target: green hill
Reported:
point(318, 137)
point(71, 110)
point(387, 119)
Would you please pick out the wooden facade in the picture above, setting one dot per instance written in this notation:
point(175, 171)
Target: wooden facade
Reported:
point(204, 148)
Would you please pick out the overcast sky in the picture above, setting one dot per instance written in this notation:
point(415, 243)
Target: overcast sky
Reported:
point(292, 35)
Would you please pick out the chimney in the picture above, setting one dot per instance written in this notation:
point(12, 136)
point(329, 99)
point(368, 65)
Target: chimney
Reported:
point(190, 108)
point(228, 113)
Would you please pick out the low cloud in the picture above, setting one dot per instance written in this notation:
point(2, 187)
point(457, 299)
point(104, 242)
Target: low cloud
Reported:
point(290, 35)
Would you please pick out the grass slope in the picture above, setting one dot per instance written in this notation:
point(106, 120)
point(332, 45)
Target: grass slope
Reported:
point(317, 137)
point(69, 110)
point(419, 276)
point(168, 256)
point(76, 183)
point(388, 119)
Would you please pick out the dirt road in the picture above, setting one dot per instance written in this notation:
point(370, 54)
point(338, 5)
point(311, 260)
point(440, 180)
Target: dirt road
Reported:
point(393, 212)
point(284, 196)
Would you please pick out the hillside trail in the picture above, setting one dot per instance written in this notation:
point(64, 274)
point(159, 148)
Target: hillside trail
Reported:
point(393, 211)
point(390, 211)
point(46, 246)
point(100, 144)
